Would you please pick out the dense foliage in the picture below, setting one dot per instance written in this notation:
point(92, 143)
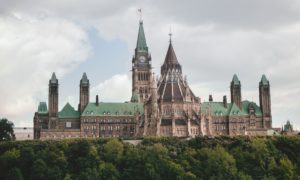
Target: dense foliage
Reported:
point(153, 158)
point(6, 130)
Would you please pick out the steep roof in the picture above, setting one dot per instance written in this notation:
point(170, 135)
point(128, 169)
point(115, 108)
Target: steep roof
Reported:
point(172, 86)
point(171, 58)
point(218, 109)
point(84, 79)
point(42, 108)
point(264, 80)
point(68, 112)
point(141, 45)
point(113, 109)
point(53, 79)
point(235, 80)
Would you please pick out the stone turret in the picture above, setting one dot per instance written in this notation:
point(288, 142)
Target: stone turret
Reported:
point(235, 91)
point(53, 96)
point(141, 68)
point(84, 92)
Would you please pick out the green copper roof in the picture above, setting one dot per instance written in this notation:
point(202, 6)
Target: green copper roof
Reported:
point(235, 80)
point(236, 111)
point(53, 78)
point(264, 80)
point(134, 97)
point(68, 112)
point(246, 104)
point(141, 45)
point(218, 109)
point(42, 109)
point(113, 109)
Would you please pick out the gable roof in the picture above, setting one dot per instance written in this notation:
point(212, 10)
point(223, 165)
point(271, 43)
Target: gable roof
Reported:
point(68, 112)
point(113, 109)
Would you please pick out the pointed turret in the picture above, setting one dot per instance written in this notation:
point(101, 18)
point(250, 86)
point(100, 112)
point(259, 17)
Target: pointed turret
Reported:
point(172, 86)
point(265, 100)
point(84, 79)
point(53, 79)
point(235, 90)
point(141, 68)
point(264, 80)
point(141, 45)
point(235, 80)
point(171, 61)
point(84, 92)
point(53, 96)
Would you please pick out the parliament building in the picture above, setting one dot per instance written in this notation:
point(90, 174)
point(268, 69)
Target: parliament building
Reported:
point(164, 106)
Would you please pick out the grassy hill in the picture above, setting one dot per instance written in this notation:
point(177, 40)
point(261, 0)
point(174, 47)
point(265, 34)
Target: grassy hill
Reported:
point(153, 158)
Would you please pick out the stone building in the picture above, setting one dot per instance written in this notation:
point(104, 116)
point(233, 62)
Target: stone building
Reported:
point(165, 106)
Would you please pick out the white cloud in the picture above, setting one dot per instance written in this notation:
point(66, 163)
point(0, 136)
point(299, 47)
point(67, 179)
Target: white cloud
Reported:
point(212, 41)
point(115, 89)
point(31, 49)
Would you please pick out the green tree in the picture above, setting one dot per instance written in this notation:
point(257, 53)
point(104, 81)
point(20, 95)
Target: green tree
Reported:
point(26, 160)
point(108, 171)
point(8, 160)
point(286, 169)
point(39, 170)
point(113, 150)
point(6, 130)
point(15, 174)
point(217, 163)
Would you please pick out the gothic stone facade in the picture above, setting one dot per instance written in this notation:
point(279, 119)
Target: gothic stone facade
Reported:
point(162, 106)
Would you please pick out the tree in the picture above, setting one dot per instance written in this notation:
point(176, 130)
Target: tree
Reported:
point(15, 174)
point(8, 160)
point(108, 171)
point(39, 170)
point(6, 130)
point(113, 150)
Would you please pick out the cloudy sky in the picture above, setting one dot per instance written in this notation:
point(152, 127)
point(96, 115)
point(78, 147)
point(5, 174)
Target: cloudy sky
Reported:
point(212, 39)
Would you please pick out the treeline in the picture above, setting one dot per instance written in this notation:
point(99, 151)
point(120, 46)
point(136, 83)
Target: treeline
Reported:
point(153, 158)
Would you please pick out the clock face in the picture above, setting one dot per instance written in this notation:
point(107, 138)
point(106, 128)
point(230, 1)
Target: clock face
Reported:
point(142, 59)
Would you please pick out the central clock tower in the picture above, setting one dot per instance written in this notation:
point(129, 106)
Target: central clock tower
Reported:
point(141, 69)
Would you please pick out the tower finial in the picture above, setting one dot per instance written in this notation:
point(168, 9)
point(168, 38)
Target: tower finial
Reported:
point(170, 34)
point(141, 14)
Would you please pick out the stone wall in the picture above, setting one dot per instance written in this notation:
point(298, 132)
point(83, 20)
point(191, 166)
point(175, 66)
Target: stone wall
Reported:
point(59, 133)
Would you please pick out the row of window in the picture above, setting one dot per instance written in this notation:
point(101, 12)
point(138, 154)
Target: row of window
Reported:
point(166, 130)
point(220, 127)
point(62, 136)
point(108, 120)
point(194, 131)
point(181, 131)
point(90, 127)
point(110, 128)
point(109, 113)
point(169, 111)
point(143, 76)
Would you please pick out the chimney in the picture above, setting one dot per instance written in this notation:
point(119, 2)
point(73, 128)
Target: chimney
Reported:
point(225, 101)
point(210, 98)
point(97, 100)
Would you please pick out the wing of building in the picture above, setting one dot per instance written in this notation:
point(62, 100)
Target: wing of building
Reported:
point(164, 106)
